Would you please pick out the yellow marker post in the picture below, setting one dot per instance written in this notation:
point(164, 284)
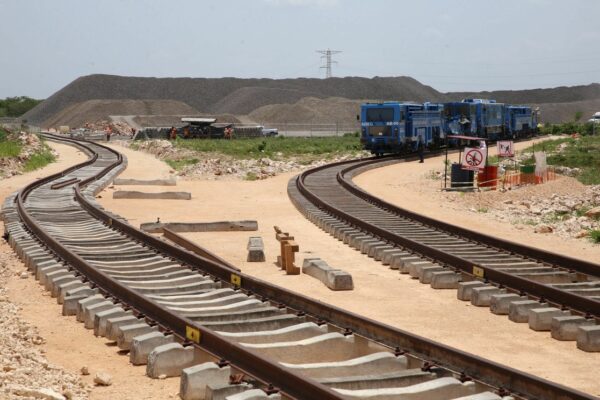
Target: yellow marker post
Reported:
point(192, 334)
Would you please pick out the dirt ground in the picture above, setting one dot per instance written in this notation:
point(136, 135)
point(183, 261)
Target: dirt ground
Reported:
point(379, 293)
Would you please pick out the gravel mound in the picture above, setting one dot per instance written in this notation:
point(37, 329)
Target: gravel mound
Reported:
point(561, 112)
point(561, 94)
point(309, 109)
point(212, 95)
point(93, 111)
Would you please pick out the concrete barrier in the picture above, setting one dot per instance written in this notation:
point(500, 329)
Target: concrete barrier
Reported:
point(218, 226)
point(334, 279)
point(133, 194)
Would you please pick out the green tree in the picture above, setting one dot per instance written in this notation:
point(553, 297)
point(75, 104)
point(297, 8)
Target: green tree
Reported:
point(578, 115)
point(17, 106)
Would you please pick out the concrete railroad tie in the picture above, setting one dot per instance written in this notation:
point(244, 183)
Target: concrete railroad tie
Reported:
point(155, 182)
point(256, 249)
point(217, 226)
point(334, 279)
point(133, 194)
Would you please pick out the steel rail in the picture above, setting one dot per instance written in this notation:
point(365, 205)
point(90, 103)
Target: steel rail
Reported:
point(489, 372)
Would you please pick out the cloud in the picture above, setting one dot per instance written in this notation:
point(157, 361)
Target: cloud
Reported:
point(304, 3)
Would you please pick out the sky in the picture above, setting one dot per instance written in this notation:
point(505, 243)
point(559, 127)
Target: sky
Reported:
point(450, 45)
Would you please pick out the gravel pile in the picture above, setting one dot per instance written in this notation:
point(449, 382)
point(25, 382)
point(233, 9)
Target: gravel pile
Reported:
point(94, 111)
point(25, 373)
point(564, 207)
point(223, 95)
point(309, 109)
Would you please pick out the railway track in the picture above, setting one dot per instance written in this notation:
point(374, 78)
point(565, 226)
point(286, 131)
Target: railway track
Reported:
point(227, 334)
point(549, 291)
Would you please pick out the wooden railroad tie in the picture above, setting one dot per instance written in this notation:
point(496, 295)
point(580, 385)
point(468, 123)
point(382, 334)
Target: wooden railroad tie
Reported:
point(288, 248)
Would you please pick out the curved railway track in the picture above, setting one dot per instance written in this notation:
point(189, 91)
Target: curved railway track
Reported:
point(173, 309)
point(528, 284)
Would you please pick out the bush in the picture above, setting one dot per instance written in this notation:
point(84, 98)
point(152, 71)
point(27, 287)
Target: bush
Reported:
point(595, 235)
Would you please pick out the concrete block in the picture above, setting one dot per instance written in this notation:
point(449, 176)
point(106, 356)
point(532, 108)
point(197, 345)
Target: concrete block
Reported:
point(256, 249)
point(128, 332)
point(465, 289)
point(414, 267)
point(334, 279)
point(254, 394)
point(143, 345)
point(69, 305)
point(540, 319)
point(445, 280)
point(195, 379)
point(89, 313)
point(566, 327)
point(499, 303)
point(101, 317)
point(113, 324)
point(222, 391)
point(588, 338)
point(482, 296)
point(427, 273)
point(133, 194)
point(169, 359)
point(518, 311)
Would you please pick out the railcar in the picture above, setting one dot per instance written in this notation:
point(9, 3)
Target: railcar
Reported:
point(396, 127)
point(520, 121)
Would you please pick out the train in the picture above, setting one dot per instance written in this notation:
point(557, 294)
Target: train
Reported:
point(399, 127)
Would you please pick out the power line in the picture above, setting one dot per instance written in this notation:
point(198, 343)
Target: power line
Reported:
point(327, 56)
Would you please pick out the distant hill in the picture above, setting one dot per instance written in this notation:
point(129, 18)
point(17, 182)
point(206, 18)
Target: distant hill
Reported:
point(311, 100)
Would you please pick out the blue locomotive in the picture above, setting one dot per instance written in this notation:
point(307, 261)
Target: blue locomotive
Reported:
point(397, 127)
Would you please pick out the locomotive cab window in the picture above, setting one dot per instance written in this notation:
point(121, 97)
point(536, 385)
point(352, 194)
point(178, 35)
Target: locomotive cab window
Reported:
point(380, 114)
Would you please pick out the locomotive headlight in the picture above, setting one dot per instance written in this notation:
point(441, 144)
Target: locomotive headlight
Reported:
point(380, 134)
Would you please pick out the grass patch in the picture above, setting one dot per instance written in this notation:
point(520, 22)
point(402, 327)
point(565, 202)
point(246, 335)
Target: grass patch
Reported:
point(179, 164)
point(556, 216)
point(8, 148)
point(583, 153)
point(275, 147)
point(251, 176)
point(595, 235)
point(39, 160)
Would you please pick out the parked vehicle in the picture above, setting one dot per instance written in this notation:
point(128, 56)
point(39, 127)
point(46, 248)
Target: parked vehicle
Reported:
point(269, 132)
point(595, 118)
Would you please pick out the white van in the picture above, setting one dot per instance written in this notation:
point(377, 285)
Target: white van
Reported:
point(595, 119)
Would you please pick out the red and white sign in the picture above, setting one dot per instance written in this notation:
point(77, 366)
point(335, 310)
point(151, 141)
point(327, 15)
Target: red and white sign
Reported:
point(506, 148)
point(474, 158)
